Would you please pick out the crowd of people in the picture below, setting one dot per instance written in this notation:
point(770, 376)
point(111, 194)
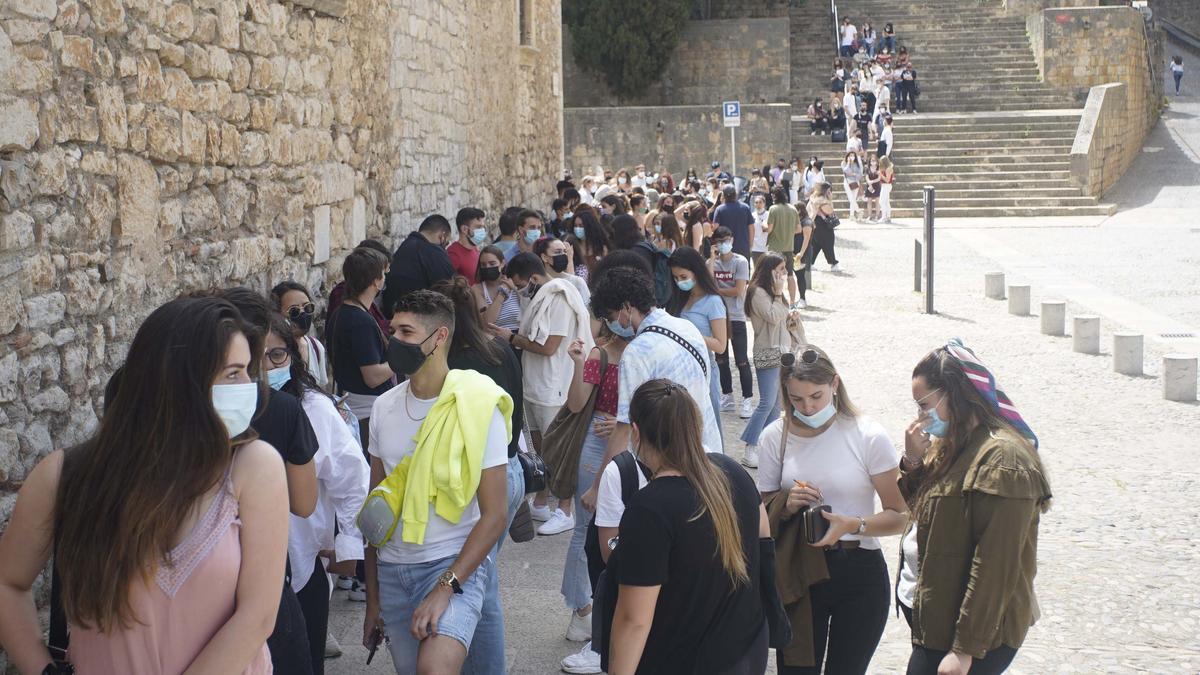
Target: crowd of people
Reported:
point(256, 453)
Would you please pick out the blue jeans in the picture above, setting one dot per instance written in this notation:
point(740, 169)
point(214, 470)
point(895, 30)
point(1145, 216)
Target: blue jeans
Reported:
point(403, 587)
point(888, 41)
point(486, 655)
point(768, 404)
point(576, 584)
point(714, 393)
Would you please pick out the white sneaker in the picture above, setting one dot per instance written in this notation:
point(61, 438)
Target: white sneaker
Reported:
point(835, 269)
point(726, 402)
point(558, 523)
point(750, 459)
point(747, 408)
point(358, 592)
point(540, 513)
point(345, 583)
point(580, 628)
point(584, 662)
point(800, 304)
point(332, 648)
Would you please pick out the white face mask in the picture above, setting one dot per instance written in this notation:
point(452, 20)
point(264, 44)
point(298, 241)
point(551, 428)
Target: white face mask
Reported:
point(235, 405)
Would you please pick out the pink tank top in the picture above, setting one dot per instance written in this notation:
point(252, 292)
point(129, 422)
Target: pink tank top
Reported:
point(182, 609)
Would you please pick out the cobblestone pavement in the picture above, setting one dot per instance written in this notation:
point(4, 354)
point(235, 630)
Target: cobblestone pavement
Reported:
point(1120, 548)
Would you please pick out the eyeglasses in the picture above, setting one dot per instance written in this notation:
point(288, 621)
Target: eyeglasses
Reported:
point(278, 356)
point(295, 311)
point(808, 357)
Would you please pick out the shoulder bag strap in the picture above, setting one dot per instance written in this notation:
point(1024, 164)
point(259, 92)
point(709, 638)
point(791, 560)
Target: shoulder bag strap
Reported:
point(60, 638)
point(684, 343)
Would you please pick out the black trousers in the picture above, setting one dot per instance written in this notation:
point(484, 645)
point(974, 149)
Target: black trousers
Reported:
point(822, 242)
point(849, 613)
point(924, 661)
point(739, 342)
point(364, 432)
point(289, 642)
point(314, 603)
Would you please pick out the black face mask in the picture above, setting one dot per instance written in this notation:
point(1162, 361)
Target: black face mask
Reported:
point(558, 263)
point(489, 273)
point(303, 321)
point(405, 358)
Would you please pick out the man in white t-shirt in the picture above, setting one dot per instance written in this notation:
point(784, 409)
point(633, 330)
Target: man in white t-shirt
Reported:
point(849, 33)
point(553, 316)
point(433, 593)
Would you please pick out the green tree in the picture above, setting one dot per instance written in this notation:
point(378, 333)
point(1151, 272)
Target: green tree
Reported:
point(626, 42)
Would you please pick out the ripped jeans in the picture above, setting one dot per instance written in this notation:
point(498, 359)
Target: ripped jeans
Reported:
point(576, 584)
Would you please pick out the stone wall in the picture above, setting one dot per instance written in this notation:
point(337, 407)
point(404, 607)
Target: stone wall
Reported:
point(1182, 13)
point(743, 59)
point(149, 147)
point(1082, 48)
point(1027, 7)
point(674, 138)
point(741, 9)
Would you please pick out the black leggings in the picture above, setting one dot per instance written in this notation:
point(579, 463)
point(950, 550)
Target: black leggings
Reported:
point(822, 242)
point(738, 339)
point(289, 641)
point(925, 661)
point(314, 602)
point(849, 613)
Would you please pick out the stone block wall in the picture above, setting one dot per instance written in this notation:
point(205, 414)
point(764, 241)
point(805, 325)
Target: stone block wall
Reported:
point(741, 9)
point(1182, 13)
point(1085, 47)
point(1098, 156)
point(149, 147)
point(674, 138)
point(721, 60)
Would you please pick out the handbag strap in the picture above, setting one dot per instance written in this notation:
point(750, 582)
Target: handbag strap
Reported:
point(684, 343)
point(60, 637)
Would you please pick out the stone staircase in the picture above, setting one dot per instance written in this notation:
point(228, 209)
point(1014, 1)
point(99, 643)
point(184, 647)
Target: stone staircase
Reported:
point(991, 136)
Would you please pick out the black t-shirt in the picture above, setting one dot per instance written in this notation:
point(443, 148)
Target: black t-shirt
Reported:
point(506, 375)
point(355, 341)
point(702, 624)
point(285, 426)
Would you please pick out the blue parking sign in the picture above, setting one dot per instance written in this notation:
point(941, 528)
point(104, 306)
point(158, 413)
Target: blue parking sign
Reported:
point(732, 113)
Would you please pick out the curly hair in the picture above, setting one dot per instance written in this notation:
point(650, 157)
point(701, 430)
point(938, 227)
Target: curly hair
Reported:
point(622, 286)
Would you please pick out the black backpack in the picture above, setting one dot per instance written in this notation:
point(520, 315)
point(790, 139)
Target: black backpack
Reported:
point(627, 466)
point(662, 273)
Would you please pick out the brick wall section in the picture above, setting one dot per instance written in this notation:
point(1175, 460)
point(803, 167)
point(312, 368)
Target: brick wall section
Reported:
point(1182, 13)
point(149, 147)
point(674, 138)
point(1082, 48)
point(744, 59)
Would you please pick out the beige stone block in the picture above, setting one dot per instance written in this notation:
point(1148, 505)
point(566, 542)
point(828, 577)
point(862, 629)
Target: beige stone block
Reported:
point(11, 313)
point(220, 65)
point(231, 144)
point(21, 31)
point(107, 15)
point(105, 63)
point(320, 240)
point(172, 55)
point(237, 109)
point(254, 148)
point(114, 129)
point(228, 25)
point(150, 84)
point(263, 76)
point(180, 91)
point(51, 172)
point(98, 163)
point(263, 112)
point(196, 62)
point(45, 310)
point(163, 133)
point(239, 78)
point(256, 39)
point(127, 66)
point(206, 28)
point(250, 255)
point(201, 213)
point(180, 21)
point(358, 221)
point(16, 231)
point(138, 197)
point(36, 9)
point(195, 135)
point(77, 53)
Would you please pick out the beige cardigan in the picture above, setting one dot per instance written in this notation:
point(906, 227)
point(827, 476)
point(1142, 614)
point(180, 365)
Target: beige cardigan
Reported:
point(769, 320)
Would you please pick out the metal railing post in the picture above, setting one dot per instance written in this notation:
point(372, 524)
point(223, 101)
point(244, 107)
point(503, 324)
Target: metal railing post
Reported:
point(928, 199)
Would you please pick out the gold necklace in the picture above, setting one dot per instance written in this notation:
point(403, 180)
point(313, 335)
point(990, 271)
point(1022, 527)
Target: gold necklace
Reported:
point(409, 394)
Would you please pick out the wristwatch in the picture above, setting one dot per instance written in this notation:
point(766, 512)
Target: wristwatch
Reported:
point(862, 525)
point(450, 581)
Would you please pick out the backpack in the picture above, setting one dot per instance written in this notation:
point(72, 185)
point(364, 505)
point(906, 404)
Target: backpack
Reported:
point(662, 273)
point(627, 466)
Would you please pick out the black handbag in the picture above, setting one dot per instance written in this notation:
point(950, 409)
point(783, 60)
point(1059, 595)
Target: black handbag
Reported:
point(535, 472)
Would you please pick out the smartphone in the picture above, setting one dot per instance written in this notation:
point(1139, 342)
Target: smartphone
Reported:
point(376, 640)
point(815, 525)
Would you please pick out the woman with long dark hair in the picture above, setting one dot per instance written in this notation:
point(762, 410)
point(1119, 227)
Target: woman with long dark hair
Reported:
point(595, 236)
point(495, 296)
point(824, 452)
point(777, 330)
point(696, 298)
point(687, 561)
point(293, 300)
point(820, 211)
point(162, 566)
point(977, 488)
point(342, 479)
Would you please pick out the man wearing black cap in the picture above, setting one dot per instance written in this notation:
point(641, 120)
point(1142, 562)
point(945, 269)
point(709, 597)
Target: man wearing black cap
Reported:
point(717, 172)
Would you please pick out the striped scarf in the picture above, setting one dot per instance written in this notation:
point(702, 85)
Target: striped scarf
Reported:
point(985, 383)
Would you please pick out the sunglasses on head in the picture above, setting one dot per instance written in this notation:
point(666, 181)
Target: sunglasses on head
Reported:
point(295, 311)
point(808, 356)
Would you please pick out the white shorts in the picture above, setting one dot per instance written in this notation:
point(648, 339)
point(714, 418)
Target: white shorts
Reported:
point(539, 417)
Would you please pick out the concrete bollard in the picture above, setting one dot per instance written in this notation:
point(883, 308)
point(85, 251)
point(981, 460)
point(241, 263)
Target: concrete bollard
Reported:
point(1054, 317)
point(1086, 334)
point(993, 285)
point(1127, 353)
point(1018, 300)
point(1179, 377)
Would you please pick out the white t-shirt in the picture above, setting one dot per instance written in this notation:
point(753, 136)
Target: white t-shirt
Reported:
point(886, 138)
point(906, 585)
point(548, 378)
point(394, 437)
point(609, 507)
point(848, 35)
point(580, 285)
point(839, 462)
point(760, 231)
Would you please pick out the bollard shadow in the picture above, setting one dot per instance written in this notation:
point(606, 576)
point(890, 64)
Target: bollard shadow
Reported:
point(952, 317)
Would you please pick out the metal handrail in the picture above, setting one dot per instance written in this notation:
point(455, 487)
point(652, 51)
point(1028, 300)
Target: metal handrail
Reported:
point(837, 37)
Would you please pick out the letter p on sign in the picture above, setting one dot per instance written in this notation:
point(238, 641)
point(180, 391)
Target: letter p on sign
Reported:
point(732, 113)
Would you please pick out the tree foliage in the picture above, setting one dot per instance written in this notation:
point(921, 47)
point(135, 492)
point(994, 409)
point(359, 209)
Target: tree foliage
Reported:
point(628, 43)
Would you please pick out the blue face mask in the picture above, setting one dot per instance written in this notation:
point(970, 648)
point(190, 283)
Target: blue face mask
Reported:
point(478, 236)
point(725, 247)
point(235, 405)
point(686, 285)
point(579, 233)
point(937, 426)
point(619, 330)
point(567, 215)
point(277, 377)
point(532, 236)
point(658, 229)
point(819, 419)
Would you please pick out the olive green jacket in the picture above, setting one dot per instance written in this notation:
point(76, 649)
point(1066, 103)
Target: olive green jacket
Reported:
point(977, 532)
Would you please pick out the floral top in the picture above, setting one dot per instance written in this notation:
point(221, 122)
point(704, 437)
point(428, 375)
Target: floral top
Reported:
point(606, 398)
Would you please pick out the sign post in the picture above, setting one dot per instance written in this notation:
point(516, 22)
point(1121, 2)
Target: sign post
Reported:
point(731, 111)
point(928, 199)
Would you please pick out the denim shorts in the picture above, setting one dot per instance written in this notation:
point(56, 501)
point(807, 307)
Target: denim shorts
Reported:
point(402, 588)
